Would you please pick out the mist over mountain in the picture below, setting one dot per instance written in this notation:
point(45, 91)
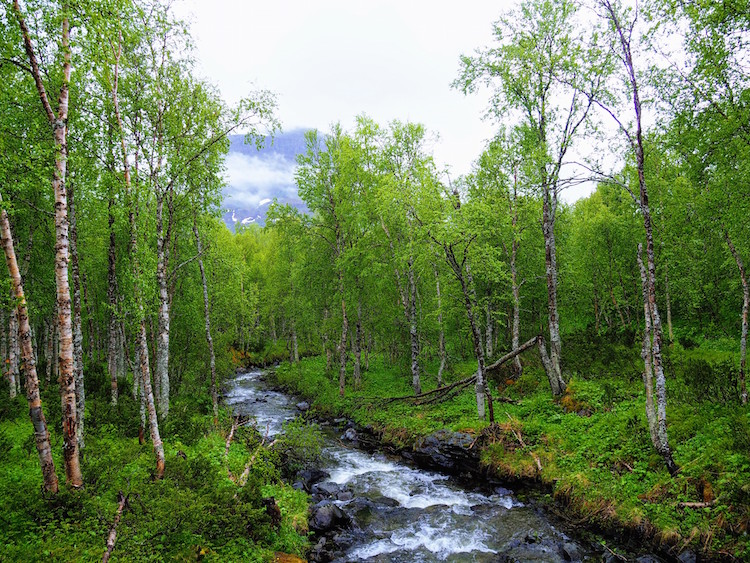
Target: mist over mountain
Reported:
point(256, 177)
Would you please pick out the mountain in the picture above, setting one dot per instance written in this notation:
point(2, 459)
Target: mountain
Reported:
point(256, 177)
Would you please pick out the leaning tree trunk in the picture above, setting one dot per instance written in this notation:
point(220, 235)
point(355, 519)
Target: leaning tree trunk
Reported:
point(745, 307)
point(488, 332)
point(77, 331)
point(28, 363)
point(209, 340)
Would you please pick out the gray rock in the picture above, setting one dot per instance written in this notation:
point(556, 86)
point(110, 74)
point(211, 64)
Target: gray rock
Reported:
point(569, 551)
point(303, 406)
point(326, 489)
point(350, 435)
point(688, 557)
point(308, 477)
point(326, 516)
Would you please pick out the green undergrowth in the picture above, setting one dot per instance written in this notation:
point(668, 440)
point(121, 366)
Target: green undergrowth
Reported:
point(593, 444)
point(196, 512)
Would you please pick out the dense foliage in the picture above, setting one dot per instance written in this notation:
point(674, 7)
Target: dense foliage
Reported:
point(401, 278)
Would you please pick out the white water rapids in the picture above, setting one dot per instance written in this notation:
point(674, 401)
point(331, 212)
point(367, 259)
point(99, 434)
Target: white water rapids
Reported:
point(407, 514)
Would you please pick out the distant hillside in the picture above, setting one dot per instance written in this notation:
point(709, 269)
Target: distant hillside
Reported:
point(256, 177)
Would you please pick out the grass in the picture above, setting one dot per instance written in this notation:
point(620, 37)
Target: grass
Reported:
point(593, 444)
point(195, 513)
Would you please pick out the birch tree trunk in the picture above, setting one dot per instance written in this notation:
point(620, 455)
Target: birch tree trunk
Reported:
point(516, 323)
point(4, 346)
point(77, 332)
point(206, 313)
point(745, 307)
point(441, 336)
point(59, 125)
point(12, 357)
point(113, 333)
point(488, 332)
point(358, 346)
point(652, 311)
point(550, 253)
point(342, 343)
point(141, 341)
point(41, 434)
point(162, 342)
point(413, 335)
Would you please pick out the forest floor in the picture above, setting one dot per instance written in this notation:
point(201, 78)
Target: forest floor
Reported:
point(195, 513)
point(598, 467)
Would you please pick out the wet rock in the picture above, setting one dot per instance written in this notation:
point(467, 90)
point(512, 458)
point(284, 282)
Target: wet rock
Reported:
point(308, 477)
point(688, 557)
point(339, 420)
point(298, 486)
point(303, 406)
point(648, 559)
point(447, 451)
point(326, 516)
point(569, 551)
point(345, 495)
point(350, 435)
point(327, 489)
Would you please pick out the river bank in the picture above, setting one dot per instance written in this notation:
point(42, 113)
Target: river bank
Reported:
point(590, 465)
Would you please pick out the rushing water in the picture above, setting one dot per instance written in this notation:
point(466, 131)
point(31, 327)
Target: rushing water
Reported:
point(407, 514)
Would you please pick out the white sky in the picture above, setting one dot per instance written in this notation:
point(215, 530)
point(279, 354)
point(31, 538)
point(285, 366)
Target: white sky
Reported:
point(331, 60)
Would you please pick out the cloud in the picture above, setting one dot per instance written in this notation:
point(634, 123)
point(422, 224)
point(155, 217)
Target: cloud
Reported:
point(254, 180)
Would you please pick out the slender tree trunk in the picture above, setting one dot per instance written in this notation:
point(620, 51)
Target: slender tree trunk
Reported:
point(652, 311)
point(488, 332)
point(13, 374)
point(162, 341)
point(342, 343)
point(41, 434)
point(141, 341)
point(358, 346)
point(441, 336)
point(77, 331)
point(329, 359)
point(467, 291)
point(413, 335)
point(550, 253)
point(648, 375)
point(50, 350)
point(669, 302)
point(59, 125)
point(207, 315)
point(516, 323)
point(113, 333)
point(4, 345)
point(745, 307)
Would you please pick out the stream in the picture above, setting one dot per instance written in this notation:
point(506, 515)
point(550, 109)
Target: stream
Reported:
point(401, 513)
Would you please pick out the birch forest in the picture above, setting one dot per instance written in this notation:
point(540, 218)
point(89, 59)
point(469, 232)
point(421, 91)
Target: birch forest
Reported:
point(595, 349)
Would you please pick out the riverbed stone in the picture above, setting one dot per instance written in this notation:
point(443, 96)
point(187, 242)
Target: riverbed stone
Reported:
point(448, 451)
point(326, 489)
point(303, 406)
point(350, 435)
point(308, 477)
point(326, 516)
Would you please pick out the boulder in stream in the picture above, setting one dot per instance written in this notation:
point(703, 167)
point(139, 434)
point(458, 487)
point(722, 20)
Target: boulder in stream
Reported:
point(326, 516)
point(447, 451)
point(303, 406)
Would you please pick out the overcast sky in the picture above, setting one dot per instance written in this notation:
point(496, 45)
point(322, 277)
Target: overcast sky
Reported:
point(331, 60)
